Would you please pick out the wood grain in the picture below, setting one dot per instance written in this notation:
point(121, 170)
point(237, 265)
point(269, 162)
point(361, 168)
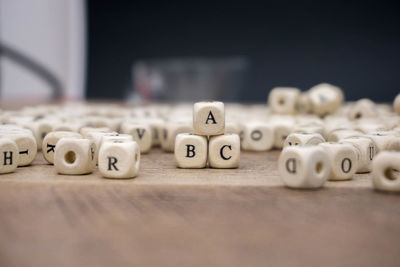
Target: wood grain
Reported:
point(176, 217)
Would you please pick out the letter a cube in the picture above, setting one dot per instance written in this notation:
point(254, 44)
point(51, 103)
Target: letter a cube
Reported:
point(208, 118)
point(190, 151)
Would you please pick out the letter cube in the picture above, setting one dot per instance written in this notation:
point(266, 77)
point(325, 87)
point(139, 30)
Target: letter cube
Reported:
point(325, 99)
point(208, 118)
point(257, 136)
point(282, 100)
point(8, 155)
point(50, 142)
point(191, 151)
point(381, 139)
point(171, 130)
point(303, 166)
point(366, 151)
point(385, 171)
point(282, 129)
point(363, 108)
point(141, 133)
point(303, 104)
point(342, 159)
point(224, 151)
point(303, 139)
point(39, 130)
point(119, 159)
point(74, 156)
point(26, 144)
point(338, 135)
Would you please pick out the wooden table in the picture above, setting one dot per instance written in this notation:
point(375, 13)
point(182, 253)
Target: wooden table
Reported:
point(179, 217)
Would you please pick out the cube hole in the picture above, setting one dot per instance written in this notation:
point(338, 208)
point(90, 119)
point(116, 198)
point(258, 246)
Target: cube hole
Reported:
point(70, 157)
point(319, 167)
point(358, 115)
point(281, 101)
point(391, 174)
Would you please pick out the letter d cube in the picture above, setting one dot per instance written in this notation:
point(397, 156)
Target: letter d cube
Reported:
point(190, 151)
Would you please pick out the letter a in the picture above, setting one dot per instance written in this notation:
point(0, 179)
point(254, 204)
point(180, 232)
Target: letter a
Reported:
point(211, 117)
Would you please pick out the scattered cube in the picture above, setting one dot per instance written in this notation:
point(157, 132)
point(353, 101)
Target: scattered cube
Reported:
point(363, 108)
point(26, 143)
point(381, 139)
point(366, 151)
point(208, 118)
point(119, 159)
point(303, 139)
point(325, 99)
point(303, 166)
point(74, 156)
point(257, 136)
point(342, 159)
point(141, 133)
point(50, 142)
point(303, 104)
point(282, 100)
point(191, 150)
point(171, 130)
point(8, 155)
point(385, 171)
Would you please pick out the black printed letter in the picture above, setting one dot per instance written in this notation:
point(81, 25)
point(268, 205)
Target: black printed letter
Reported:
point(111, 163)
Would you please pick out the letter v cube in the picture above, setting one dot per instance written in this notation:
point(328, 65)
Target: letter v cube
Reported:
point(208, 118)
point(190, 151)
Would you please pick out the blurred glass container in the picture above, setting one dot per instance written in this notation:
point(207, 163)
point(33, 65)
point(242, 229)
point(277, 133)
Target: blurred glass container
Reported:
point(188, 79)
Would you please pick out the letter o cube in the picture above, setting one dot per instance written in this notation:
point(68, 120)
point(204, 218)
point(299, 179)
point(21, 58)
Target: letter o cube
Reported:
point(209, 118)
point(119, 159)
point(190, 151)
point(343, 160)
point(303, 166)
point(75, 156)
point(224, 151)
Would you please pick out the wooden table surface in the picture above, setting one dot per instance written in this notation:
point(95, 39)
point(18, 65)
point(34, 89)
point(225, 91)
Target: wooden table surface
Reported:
point(178, 217)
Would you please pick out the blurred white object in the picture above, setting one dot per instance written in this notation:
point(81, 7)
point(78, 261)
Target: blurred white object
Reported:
point(42, 37)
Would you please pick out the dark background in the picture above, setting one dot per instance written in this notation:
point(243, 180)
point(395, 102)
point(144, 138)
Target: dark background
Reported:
point(355, 45)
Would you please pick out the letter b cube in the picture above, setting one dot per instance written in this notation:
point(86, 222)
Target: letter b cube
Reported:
point(190, 151)
point(208, 118)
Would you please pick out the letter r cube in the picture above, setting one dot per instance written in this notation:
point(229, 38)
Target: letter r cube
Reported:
point(190, 151)
point(208, 118)
point(119, 159)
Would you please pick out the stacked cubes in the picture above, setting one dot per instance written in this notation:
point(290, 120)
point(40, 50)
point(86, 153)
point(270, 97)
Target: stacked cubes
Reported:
point(209, 143)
